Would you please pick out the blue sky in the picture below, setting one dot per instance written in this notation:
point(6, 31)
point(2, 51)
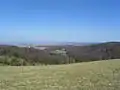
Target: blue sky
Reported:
point(59, 20)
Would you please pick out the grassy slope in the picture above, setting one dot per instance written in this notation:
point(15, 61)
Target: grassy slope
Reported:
point(100, 75)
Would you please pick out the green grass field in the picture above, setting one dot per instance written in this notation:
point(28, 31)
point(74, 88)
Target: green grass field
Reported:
point(100, 75)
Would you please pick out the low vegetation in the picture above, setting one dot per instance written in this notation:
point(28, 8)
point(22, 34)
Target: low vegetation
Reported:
point(18, 56)
point(99, 75)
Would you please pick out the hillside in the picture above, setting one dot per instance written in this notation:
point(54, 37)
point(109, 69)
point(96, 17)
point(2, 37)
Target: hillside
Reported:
point(14, 55)
point(99, 75)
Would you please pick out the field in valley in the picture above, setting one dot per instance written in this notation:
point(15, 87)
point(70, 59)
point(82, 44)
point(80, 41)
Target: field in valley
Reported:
point(99, 75)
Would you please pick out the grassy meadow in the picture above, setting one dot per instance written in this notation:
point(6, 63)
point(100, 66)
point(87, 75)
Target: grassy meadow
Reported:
point(99, 75)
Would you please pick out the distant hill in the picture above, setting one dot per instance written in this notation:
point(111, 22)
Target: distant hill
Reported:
point(65, 43)
point(65, 53)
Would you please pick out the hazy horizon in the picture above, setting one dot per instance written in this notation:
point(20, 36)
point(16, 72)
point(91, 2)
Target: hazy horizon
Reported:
point(26, 21)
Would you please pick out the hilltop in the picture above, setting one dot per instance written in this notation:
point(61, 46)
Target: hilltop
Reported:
point(99, 75)
point(59, 54)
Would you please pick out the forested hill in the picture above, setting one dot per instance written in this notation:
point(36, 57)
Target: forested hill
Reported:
point(14, 55)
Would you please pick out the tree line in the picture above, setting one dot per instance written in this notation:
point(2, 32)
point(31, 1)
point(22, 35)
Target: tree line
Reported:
point(17, 56)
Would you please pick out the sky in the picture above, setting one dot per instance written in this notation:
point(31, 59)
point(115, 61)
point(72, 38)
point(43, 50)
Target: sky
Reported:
point(59, 21)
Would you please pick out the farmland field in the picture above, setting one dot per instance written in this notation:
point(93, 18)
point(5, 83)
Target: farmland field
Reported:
point(99, 75)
